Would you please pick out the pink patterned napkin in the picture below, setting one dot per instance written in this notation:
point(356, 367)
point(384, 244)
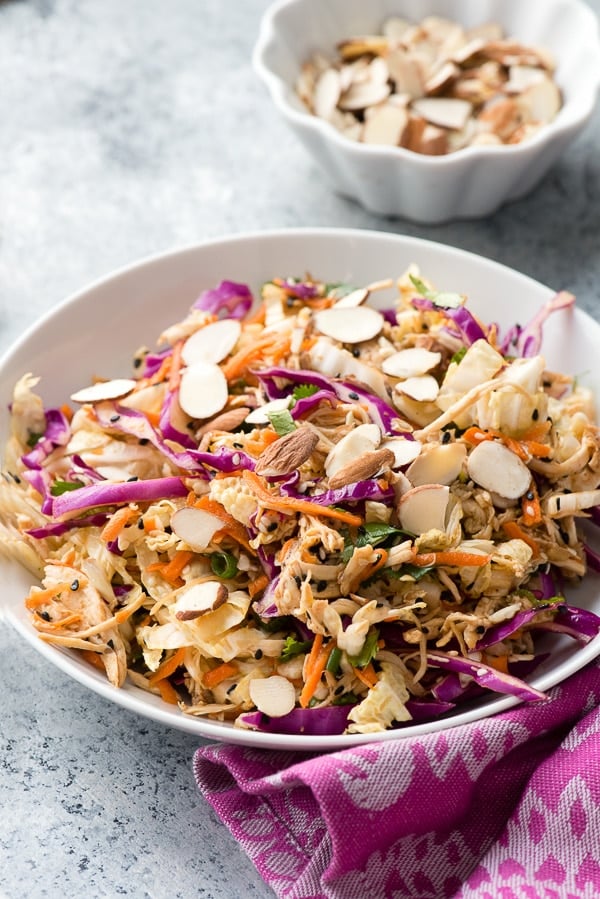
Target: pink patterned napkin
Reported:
point(504, 808)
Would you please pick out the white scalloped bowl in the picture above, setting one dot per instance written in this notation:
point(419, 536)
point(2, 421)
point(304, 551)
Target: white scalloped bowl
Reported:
point(470, 183)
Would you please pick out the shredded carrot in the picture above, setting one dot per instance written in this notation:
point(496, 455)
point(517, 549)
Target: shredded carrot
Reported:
point(367, 675)
point(168, 667)
point(500, 663)
point(174, 568)
point(515, 532)
point(231, 527)
point(127, 611)
point(534, 448)
point(153, 418)
point(220, 673)
point(151, 524)
point(379, 563)
point(67, 560)
point(314, 668)
point(474, 436)
point(290, 504)
point(530, 507)
point(286, 548)
point(93, 658)
point(221, 475)
point(67, 411)
point(258, 316)
point(73, 618)
point(116, 523)
point(236, 365)
point(41, 597)
point(175, 370)
point(167, 691)
point(452, 557)
point(258, 585)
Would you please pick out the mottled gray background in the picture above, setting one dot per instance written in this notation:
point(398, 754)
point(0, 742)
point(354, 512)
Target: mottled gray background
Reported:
point(129, 127)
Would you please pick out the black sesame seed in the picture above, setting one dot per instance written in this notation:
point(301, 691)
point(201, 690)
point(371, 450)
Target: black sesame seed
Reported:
point(238, 446)
point(535, 414)
point(45, 616)
point(558, 503)
point(480, 629)
point(132, 479)
point(298, 581)
point(137, 362)
point(75, 585)
point(446, 437)
point(110, 643)
point(114, 417)
point(140, 524)
point(356, 352)
point(272, 526)
point(143, 441)
point(258, 655)
point(16, 478)
point(339, 690)
point(530, 496)
point(314, 549)
point(320, 586)
point(231, 689)
point(353, 396)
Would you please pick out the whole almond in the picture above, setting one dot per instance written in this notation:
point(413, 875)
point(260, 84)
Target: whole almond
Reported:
point(366, 466)
point(226, 421)
point(287, 453)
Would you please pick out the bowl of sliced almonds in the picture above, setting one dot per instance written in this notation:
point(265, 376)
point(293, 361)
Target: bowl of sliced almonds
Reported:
point(433, 111)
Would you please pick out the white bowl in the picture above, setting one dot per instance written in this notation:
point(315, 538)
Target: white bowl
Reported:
point(470, 183)
point(97, 330)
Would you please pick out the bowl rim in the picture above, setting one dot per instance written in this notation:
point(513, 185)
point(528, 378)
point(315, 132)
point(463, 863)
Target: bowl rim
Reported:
point(279, 88)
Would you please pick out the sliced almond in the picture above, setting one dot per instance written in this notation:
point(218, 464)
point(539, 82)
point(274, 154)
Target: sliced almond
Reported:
point(196, 527)
point(496, 468)
point(366, 466)
point(395, 28)
point(104, 390)
point(358, 46)
point(522, 77)
point(434, 141)
point(260, 415)
point(502, 117)
point(200, 599)
point(406, 73)
point(443, 111)
point(424, 509)
point(353, 299)
point(423, 388)
point(541, 101)
point(441, 79)
point(212, 343)
point(441, 464)
point(349, 326)
point(364, 94)
point(362, 439)
point(386, 126)
point(511, 53)
point(468, 51)
point(378, 70)
point(410, 362)
point(288, 453)
point(203, 390)
point(486, 139)
point(327, 93)
point(274, 696)
point(405, 451)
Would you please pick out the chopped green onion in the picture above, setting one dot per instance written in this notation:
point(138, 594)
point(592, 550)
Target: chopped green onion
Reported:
point(368, 652)
point(282, 422)
point(224, 565)
point(333, 662)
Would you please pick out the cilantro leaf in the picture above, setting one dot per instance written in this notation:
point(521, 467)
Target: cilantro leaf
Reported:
point(301, 391)
point(293, 647)
point(372, 534)
point(33, 439)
